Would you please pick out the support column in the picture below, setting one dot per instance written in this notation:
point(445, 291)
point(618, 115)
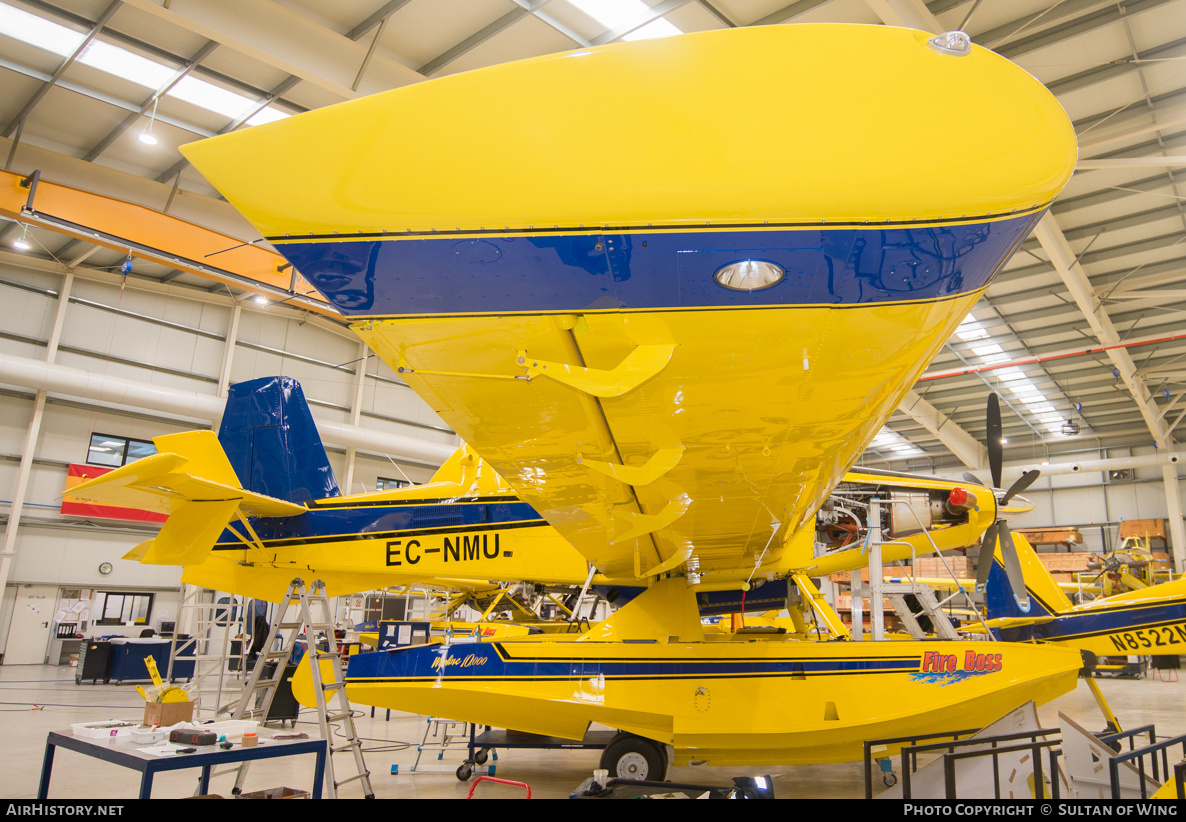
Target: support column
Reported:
point(876, 573)
point(857, 593)
point(360, 374)
point(228, 360)
point(228, 352)
point(1173, 505)
point(34, 433)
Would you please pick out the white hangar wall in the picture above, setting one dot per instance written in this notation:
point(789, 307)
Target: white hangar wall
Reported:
point(173, 337)
point(1094, 502)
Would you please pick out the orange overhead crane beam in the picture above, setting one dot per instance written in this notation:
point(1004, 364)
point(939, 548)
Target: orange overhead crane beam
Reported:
point(152, 235)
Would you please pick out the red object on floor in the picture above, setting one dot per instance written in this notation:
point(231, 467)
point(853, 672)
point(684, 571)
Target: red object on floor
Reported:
point(523, 785)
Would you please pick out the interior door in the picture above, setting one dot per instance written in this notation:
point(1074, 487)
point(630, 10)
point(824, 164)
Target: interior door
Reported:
point(28, 632)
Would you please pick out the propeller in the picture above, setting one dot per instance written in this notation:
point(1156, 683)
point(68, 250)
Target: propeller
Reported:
point(996, 449)
point(999, 530)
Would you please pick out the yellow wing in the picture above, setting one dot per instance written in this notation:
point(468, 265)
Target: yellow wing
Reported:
point(580, 312)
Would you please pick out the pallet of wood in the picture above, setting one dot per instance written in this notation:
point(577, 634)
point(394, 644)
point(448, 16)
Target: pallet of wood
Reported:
point(1068, 563)
point(964, 567)
point(1069, 535)
point(1150, 528)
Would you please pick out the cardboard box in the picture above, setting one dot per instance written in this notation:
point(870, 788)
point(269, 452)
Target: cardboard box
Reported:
point(167, 713)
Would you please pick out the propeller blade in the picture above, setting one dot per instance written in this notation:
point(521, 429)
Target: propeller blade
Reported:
point(984, 561)
point(1013, 568)
point(996, 453)
point(970, 477)
point(1023, 482)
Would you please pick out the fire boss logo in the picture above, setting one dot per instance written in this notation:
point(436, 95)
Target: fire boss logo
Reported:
point(936, 663)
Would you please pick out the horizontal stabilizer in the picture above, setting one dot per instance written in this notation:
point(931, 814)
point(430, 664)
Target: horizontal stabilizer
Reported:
point(192, 482)
point(1003, 623)
point(194, 469)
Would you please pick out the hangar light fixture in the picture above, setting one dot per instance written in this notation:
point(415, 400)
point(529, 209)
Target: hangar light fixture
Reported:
point(22, 242)
point(146, 136)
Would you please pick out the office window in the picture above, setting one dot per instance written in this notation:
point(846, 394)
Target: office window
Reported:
point(122, 608)
point(112, 452)
point(387, 484)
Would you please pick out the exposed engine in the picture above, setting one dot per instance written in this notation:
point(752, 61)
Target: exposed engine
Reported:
point(843, 520)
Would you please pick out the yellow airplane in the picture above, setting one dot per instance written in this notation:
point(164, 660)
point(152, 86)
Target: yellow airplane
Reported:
point(258, 504)
point(465, 530)
point(670, 290)
point(1127, 568)
point(1147, 621)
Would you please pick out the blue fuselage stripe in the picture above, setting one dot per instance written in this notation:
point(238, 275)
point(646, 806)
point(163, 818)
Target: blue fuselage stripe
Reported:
point(652, 269)
point(483, 661)
point(375, 521)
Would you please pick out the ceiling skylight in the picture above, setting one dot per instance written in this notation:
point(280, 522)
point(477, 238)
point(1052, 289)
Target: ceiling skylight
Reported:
point(37, 31)
point(211, 97)
point(887, 440)
point(267, 115)
point(653, 30)
point(970, 330)
point(44, 34)
point(619, 14)
point(125, 64)
point(1010, 374)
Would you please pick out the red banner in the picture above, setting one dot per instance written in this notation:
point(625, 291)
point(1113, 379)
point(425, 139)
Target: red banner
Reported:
point(78, 474)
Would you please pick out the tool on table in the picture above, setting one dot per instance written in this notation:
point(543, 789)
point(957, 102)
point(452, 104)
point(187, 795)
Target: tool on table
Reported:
point(186, 737)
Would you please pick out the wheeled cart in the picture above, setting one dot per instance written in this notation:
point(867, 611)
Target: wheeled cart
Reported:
point(482, 745)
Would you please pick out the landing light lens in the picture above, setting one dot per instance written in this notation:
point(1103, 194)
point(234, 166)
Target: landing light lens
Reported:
point(951, 42)
point(749, 275)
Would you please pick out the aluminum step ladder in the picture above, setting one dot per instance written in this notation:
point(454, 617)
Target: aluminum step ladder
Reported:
point(219, 675)
point(930, 608)
point(333, 708)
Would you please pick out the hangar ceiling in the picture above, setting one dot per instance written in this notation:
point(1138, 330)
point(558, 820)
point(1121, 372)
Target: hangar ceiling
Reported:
point(84, 80)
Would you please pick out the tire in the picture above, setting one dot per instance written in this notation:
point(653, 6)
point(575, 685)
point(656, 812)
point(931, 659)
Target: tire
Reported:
point(633, 757)
point(480, 756)
point(464, 771)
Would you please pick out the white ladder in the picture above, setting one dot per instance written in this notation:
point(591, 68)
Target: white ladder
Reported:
point(257, 696)
point(440, 729)
point(217, 684)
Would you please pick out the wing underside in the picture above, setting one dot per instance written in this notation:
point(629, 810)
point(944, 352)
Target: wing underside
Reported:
point(649, 439)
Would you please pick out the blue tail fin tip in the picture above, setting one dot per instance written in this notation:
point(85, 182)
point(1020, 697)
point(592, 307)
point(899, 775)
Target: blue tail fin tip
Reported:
point(271, 440)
